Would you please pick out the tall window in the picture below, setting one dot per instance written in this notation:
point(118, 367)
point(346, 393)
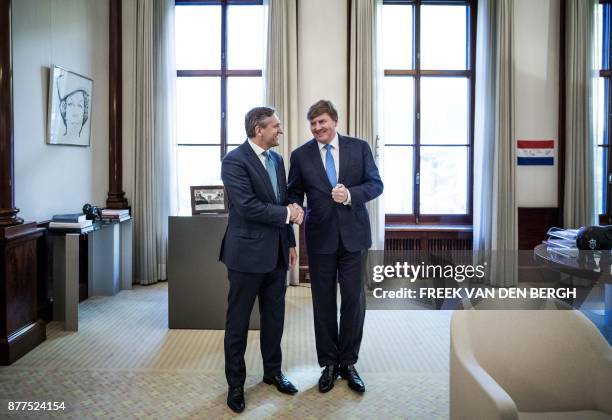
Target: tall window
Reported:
point(428, 110)
point(603, 175)
point(219, 59)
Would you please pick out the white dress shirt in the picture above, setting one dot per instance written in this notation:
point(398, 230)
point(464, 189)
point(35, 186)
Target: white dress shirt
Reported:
point(260, 154)
point(335, 151)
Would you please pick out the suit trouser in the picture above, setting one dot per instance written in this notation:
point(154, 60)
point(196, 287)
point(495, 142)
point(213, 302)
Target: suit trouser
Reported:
point(244, 287)
point(326, 270)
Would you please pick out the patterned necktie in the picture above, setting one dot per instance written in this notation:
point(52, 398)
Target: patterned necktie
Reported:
point(330, 166)
point(271, 169)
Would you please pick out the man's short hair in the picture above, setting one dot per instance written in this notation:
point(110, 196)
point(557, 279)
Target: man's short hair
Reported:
point(321, 107)
point(255, 118)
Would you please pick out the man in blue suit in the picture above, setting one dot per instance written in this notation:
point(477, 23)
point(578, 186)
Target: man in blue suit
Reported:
point(257, 249)
point(338, 176)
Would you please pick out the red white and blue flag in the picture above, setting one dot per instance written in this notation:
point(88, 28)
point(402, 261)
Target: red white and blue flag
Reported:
point(535, 152)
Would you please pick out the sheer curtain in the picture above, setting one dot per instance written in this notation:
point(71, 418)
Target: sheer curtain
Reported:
point(155, 169)
point(495, 211)
point(582, 73)
point(280, 76)
point(364, 82)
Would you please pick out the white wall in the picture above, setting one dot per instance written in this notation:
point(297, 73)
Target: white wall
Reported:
point(73, 34)
point(536, 65)
point(322, 59)
point(323, 73)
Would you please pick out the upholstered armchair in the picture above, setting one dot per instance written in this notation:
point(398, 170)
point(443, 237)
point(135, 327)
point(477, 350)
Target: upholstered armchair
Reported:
point(520, 364)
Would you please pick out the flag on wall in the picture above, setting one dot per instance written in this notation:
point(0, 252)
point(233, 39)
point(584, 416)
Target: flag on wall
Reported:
point(535, 152)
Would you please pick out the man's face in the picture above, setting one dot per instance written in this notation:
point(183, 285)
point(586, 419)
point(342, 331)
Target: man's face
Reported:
point(271, 132)
point(323, 128)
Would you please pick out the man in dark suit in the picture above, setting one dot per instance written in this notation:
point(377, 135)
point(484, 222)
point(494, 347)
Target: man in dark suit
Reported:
point(338, 176)
point(257, 249)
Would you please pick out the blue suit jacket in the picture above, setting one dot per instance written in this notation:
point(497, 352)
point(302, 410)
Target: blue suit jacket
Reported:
point(256, 224)
point(326, 220)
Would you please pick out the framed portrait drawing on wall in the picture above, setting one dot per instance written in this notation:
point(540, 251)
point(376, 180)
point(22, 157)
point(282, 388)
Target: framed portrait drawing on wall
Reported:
point(208, 199)
point(70, 108)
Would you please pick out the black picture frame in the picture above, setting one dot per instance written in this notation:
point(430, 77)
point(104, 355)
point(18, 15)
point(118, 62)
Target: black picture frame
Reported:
point(208, 199)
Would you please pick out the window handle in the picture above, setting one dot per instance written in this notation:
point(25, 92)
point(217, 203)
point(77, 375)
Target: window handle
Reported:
point(418, 178)
point(610, 178)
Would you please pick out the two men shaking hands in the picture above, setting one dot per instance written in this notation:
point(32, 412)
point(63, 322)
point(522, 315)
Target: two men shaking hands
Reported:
point(339, 194)
point(338, 176)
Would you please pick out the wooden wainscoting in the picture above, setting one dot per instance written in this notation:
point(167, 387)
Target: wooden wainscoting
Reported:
point(533, 223)
point(20, 327)
point(423, 240)
point(427, 243)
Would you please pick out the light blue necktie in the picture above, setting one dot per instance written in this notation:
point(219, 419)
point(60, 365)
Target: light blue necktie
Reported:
point(271, 169)
point(330, 166)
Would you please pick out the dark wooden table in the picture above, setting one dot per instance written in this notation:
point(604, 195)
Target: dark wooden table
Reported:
point(595, 266)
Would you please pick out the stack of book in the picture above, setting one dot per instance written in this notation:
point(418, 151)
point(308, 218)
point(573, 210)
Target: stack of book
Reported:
point(71, 223)
point(562, 241)
point(115, 215)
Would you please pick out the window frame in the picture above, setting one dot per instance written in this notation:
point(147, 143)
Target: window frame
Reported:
point(417, 73)
point(223, 73)
point(606, 73)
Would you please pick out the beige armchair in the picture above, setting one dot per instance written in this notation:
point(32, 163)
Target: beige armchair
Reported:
point(518, 364)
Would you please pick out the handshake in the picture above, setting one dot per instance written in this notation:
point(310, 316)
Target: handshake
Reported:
point(296, 213)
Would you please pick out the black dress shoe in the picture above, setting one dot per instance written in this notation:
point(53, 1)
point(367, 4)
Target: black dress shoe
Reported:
point(354, 381)
point(328, 376)
point(235, 398)
point(281, 383)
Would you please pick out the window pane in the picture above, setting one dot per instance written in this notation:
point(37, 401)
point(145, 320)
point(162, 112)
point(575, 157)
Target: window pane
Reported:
point(444, 37)
point(245, 37)
point(197, 165)
point(198, 37)
point(444, 110)
point(601, 108)
point(601, 168)
point(444, 182)
point(398, 110)
point(243, 93)
point(198, 101)
point(397, 37)
point(397, 177)
point(601, 58)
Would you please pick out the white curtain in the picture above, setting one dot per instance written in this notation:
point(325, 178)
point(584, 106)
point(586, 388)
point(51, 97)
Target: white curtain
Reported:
point(581, 69)
point(155, 173)
point(364, 80)
point(280, 77)
point(495, 211)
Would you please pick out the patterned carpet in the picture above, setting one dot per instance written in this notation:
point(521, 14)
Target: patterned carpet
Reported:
point(125, 363)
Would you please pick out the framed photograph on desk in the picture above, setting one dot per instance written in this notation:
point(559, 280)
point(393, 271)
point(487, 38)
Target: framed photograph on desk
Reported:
point(208, 199)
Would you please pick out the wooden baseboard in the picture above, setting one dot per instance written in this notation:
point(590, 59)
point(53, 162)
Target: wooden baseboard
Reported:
point(19, 343)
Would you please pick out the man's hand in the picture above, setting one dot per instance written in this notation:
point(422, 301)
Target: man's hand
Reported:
point(296, 213)
point(340, 193)
point(292, 257)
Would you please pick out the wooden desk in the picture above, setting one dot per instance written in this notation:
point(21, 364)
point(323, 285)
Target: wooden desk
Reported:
point(197, 280)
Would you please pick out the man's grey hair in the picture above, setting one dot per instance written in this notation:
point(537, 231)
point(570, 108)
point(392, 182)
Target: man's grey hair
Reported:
point(255, 118)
